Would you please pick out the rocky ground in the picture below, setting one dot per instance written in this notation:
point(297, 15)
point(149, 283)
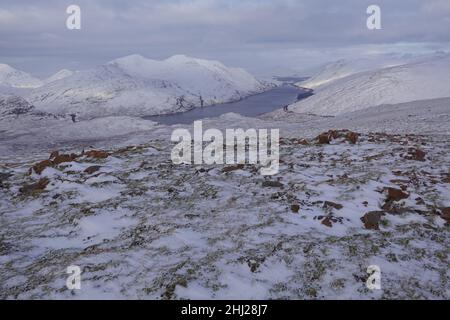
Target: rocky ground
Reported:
point(141, 227)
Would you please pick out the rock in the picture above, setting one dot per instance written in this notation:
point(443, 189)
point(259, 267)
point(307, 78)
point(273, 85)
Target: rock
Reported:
point(419, 201)
point(324, 138)
point(295, 208)
point(445, 214)
point(416, 154)
point(372, 219)
point(97, 154)
point(333, 134)
point(92, 169)
point(327, 222)
point(272, 184)
point(352, 137)
point(39, 167)
point(329, 204)
point(35, 187)
point(64, 158)
point(233, 168)
point(396, 194)
point(327, 137)
point(3, 178)
point(54, 154)
point(303, 142)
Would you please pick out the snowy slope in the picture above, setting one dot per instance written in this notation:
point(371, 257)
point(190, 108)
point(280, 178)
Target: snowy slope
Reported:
point(424, 79)
point(137, 86)
point(141, 227)
point(13, 105)
point(342, 68)
point(61, 74)
point(10, 77)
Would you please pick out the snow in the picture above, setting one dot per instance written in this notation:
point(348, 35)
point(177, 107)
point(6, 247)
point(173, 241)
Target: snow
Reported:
point(420, 80)
point(61, 74)
point(144, 228)
point(345, 67)
point(141, 227)
point(11, 77)
point(136, 86)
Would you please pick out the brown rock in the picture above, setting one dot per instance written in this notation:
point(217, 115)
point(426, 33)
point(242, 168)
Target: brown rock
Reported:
point(39, 167)
point(63, 158)
point(233, 168)
point(445, 214)
point(54, 154)
point(329, 204)
point(295, 208)
point(327, 222)
point(396, 194)
point(97, 154)
point(92, 169)
point(35, 187)
point(372, 219)
point(417, 154)
point(352, 137)
point(324, 138)
point(333, 134)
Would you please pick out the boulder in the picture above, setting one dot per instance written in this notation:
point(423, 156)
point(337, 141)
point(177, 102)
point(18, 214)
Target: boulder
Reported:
point(351, 137)
point(37, 187)
point(54, 154)
point(416, 154)
point(295, 208)
point(92, 169)
point(63, 158)
point(327, 222)
point(372, 219)
point(396, 194)
point(39, 167)
point(445, 214)
point(324, 138)
point(97, 154)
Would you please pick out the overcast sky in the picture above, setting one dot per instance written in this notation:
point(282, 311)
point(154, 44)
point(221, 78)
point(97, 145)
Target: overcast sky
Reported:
point(263, 36)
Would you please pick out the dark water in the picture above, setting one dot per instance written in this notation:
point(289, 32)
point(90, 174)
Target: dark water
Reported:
point(250, 107)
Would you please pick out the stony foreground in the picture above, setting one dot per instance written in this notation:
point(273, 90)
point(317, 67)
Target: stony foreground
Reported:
point(141, 227)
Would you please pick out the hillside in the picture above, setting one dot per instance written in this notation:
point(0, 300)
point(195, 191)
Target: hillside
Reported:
point(137, 86)
point(10, 77)
point(421, 80)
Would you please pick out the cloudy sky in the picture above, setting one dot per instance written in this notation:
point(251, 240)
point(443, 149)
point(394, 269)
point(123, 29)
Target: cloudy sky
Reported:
point(263, 36)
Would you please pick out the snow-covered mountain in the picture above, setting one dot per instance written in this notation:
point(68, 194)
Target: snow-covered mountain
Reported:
point(345, 67)
point(13, 105)
point(10, 77)
point(61, 74)
point(419, 80)
point(136, 86)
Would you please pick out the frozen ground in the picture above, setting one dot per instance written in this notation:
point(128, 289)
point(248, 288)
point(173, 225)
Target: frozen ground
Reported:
point(141, 227)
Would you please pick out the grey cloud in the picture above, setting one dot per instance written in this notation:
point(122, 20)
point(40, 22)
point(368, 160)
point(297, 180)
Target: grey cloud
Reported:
point(262, 36)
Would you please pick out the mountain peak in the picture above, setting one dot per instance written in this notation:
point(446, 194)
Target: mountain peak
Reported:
point(6, 67)
point(11, 77)
point(61, 74)
point(132, 58)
